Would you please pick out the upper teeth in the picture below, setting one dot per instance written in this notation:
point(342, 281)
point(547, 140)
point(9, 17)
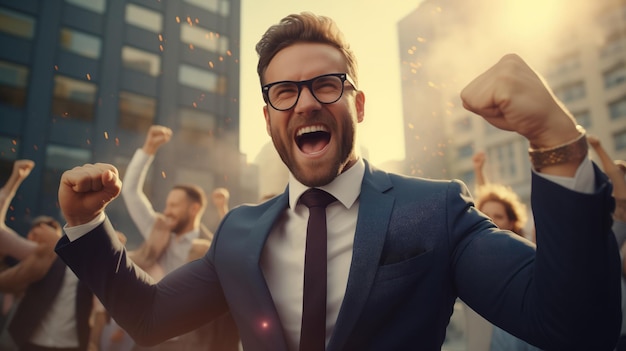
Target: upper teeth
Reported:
point(311, 129)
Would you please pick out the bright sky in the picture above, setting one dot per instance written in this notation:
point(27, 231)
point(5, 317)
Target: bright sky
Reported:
point(372, 34)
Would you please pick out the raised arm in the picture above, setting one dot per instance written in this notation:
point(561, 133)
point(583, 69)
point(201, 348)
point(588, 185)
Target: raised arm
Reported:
point(11, 243)
point(220, 197)
point(576, 257)
point(478, 161)
point(139, 206)
point(33, 267)
point(21, 170)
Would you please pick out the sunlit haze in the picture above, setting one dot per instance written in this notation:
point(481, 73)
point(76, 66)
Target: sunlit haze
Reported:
point(523, 27)
point(372, 34)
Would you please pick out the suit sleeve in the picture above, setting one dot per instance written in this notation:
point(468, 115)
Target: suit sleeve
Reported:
point(150, 312)
point(567, 292)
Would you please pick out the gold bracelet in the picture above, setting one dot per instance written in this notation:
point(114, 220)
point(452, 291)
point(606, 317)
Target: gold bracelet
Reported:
point(572, 150)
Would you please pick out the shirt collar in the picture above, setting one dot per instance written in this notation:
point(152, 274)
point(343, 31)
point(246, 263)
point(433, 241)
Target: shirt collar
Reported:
point(345, 188)
point(188, 237)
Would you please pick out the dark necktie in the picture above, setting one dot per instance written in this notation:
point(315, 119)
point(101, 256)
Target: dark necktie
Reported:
point(313, 332)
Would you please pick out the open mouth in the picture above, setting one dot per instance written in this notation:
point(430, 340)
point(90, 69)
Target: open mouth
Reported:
point(312, 139)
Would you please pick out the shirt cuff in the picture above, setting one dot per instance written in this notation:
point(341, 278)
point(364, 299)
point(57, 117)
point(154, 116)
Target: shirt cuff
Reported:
point(78, 231)
point(583, 181)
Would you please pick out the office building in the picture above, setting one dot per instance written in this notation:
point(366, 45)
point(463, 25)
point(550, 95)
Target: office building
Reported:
point(81, 81)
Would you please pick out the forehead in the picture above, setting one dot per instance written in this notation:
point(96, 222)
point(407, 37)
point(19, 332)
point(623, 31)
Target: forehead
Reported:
point(493, 207)
point(176, 195)
point(302, 61)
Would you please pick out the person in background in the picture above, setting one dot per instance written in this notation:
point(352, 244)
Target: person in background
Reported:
point(220, 198)
point(500, 203)
point(400, 250)
point(54, 307)
point(179, 225)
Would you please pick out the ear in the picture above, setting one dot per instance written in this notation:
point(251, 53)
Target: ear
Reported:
point(195, 208)
point(266, 113)
point(359, 101)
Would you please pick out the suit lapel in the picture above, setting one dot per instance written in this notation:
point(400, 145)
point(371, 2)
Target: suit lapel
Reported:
point(264, 308)
point(374, 213)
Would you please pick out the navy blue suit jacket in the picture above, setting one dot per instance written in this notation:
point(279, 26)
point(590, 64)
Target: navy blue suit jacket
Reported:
point(418, 245)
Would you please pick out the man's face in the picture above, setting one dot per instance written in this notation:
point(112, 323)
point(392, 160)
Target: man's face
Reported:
point(497, 212)
point(316, 141)
point(45, 232)
point(179, 211)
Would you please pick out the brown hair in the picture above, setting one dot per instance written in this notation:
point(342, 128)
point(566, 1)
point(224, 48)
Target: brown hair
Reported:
point(47, 220)
point(515, 209)
point(194, 193)
point(303, 27)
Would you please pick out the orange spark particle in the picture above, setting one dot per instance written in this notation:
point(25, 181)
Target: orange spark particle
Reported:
point(195, 104)
point(177, 19)
point(161, 47)
point(211, 64)
point(88, 76)
point(163, 174)
point(106, 135)
point(117, 141)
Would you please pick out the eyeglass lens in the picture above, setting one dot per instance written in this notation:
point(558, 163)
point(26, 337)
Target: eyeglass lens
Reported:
point(326, 89)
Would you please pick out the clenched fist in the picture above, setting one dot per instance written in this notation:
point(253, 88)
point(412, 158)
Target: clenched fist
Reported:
point(156, 137)
point(85, 191)
point(511, 96)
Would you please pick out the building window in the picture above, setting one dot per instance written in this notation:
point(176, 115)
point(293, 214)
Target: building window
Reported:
point(201, 79)
point(97, 6)
point(565, 64)
point(583, 118)
point(143, 18)
point(217, 6)
point(203, 38)
point(615, 76)
point(136, 111)
point(615, 44)
point(617, 109)
point(571, 92)
point(80, 43)
point(142, 61)
point(196, 127)
point(13, 82)
point(59, 159)
point(619, 139)
point(73, 98)
point(17, 24)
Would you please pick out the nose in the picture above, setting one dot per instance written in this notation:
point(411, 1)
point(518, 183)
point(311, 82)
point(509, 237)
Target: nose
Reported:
point(307, 102)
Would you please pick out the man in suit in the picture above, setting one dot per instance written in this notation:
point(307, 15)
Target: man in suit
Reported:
point(400, 249)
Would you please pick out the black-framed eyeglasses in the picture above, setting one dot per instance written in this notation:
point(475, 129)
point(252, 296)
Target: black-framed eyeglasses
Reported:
point(326, 89)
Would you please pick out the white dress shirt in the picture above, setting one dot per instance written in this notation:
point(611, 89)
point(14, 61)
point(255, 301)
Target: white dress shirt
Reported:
point(57, 328)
